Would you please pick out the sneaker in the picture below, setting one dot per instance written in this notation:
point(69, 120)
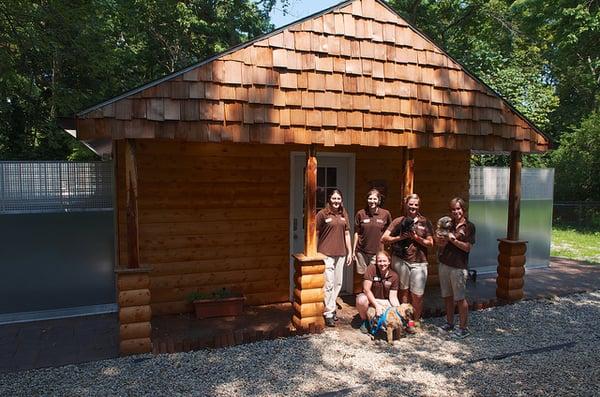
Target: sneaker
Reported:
point(461, 333)
point(410, 328)
point(364, 327)
point(329, 321)
point(335, 317)
point(447, 327)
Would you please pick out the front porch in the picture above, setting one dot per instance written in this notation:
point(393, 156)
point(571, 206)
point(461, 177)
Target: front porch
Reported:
point(182, 332)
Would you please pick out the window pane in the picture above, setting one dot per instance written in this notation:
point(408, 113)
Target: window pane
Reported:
point(331, 176)
point(320, 176)
point(320, 198)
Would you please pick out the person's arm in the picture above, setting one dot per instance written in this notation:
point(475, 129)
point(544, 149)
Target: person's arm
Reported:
point(462, 245)
point(369, 294)
point(388, 239)
point(348, 248)
point(425, 241)
point(394, 298)
point(354, 244)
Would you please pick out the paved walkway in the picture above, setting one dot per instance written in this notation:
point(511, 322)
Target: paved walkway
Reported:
point(57, 342)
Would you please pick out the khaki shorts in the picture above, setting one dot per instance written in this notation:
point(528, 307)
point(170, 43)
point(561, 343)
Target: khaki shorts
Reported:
point(453, 282)
point(362, 261)
point(412, 276)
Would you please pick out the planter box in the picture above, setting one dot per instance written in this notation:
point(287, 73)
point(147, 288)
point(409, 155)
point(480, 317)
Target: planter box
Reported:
point(224, 307)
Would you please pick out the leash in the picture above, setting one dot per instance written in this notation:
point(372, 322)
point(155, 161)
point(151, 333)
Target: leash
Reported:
point(382, 319)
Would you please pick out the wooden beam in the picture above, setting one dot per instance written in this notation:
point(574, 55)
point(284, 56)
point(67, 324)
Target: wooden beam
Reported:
point(409, 172)
point(310, 203)
point(131, 186)
point(514, 196)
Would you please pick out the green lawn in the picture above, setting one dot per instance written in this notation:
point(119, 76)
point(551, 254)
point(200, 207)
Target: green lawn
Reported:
point(576, 244)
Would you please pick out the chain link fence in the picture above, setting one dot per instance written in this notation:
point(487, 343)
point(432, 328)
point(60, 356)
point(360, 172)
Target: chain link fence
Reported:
point(55, 186)
point(581, 214)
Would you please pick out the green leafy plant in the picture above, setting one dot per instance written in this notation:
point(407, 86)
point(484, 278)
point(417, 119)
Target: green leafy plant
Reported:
point(222, 293)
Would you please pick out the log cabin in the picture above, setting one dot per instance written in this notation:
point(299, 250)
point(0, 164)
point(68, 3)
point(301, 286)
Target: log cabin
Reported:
point(220, 167)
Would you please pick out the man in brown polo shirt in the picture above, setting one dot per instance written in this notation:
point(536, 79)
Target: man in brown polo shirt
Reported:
point(453, 262)
point(380, 289)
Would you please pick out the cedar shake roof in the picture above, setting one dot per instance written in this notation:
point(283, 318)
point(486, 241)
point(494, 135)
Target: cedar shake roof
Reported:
point(354, 74)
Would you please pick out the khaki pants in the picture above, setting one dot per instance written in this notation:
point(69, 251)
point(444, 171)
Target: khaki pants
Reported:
point(412, 276)
point(334, 274)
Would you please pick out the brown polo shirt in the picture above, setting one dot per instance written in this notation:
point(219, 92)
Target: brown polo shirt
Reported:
point(370, 228)
point(415, 252)
point(331, 230)
point(382, 285)
point(452, 255)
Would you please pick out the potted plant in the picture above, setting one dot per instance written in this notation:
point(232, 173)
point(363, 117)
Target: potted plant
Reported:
point(220, 303)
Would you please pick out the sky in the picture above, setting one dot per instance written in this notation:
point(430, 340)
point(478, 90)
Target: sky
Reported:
point(298, 9)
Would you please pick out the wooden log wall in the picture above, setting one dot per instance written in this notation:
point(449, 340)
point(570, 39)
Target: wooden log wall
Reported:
point(440, 175)
point(135, 313)
point(211, 216)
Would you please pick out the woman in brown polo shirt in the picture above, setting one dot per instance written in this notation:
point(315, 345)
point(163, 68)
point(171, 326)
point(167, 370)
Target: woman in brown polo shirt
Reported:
point(380, 289)
point(333, 232)
point(369, 225)
point(453, 261)
point(409, 252)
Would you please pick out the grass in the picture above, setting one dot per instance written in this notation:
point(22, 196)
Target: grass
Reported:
point(573, 243)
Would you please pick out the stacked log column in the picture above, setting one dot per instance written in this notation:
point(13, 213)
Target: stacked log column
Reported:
point(511, 269)
point(309, 279)
point(135, 312)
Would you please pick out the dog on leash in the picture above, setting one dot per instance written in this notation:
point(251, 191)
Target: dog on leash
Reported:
point(393, 318)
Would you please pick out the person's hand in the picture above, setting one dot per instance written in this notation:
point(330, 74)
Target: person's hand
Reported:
point(349, 259)
point(451, 237)
point(379, 310)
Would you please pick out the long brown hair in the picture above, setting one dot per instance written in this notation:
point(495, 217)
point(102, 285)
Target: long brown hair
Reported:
point(332, 211)
point(379, 196)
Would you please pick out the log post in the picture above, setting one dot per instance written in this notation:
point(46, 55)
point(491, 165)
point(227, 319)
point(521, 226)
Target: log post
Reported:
point(310, 203)
point(309, 267)
point(511, 257)
point(135, 313)
point(409, 173)
point(131, 186)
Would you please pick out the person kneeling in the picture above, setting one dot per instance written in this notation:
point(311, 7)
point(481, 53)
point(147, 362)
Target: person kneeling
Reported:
point(380, 289)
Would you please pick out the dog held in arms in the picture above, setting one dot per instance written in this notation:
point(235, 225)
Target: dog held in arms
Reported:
point(394, 318)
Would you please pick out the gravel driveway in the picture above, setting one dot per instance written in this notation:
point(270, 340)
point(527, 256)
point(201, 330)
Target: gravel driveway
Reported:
point(544, 347)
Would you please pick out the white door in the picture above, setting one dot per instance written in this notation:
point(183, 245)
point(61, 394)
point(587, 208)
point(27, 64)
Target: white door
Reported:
point(334, 170)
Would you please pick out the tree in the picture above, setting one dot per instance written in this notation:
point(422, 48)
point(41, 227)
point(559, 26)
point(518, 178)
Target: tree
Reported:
point(58, 57)
point(577, 161)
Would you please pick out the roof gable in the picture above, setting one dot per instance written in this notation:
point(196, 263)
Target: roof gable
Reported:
point(356, 73)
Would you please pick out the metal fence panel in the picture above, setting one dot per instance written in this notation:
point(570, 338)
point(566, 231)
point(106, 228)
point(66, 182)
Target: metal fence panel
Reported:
point(44, 186)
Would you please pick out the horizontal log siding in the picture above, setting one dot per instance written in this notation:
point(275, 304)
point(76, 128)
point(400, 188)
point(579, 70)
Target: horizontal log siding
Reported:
point(440, 175)
point(379, 164)
point(211, 216)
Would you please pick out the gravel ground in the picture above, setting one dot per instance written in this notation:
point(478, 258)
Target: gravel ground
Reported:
point(533, 348)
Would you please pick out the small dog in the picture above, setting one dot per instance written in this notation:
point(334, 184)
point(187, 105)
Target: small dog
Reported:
point(395, 319)
point(444, 226)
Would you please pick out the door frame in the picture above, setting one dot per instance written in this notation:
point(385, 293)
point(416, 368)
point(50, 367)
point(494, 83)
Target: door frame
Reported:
point(299, 158)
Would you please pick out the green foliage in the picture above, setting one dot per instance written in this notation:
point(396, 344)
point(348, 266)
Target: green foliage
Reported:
point(577, 162)
point(58, 57)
